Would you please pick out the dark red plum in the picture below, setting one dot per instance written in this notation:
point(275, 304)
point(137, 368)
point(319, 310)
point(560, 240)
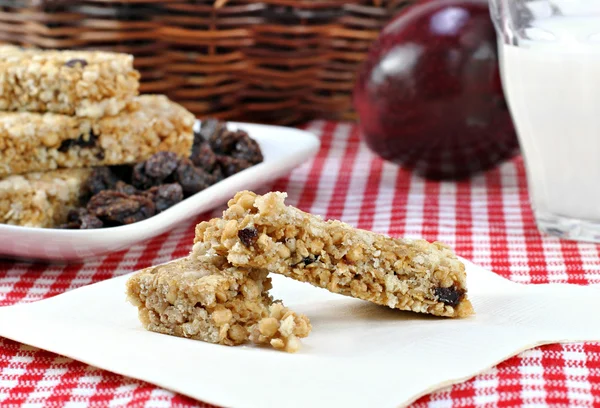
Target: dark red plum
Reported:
point(429, 96)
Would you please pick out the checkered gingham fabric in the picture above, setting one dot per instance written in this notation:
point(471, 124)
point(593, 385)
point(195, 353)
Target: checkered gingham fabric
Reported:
point(486, 219)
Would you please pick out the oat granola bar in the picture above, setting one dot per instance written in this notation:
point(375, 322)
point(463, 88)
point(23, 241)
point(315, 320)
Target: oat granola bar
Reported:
point(214, 302)
point(39, 142)
point(41, 199)
point(262, 232)
point(78, 83)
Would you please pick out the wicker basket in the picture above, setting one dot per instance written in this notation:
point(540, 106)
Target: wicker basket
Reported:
point(274, 61)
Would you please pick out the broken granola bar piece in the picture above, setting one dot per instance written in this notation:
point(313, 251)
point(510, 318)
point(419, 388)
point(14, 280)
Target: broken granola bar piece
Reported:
point(262, 232)
point(214, 302)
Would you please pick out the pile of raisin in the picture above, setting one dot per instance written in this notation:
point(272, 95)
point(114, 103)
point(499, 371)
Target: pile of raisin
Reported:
point(120, 195)
point(233, 151)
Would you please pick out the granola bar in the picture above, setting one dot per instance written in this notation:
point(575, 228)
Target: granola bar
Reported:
point(39, 142)
point(41, 199)
point(214, 302)
point(262, 232)
point(77, 83)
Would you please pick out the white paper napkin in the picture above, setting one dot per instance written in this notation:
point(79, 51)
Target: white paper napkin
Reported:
point(358, 354)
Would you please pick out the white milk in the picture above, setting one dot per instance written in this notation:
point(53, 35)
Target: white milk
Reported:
point(553, 89)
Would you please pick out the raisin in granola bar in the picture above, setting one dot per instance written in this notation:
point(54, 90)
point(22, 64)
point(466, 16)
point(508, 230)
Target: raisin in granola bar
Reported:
point(77, 83)
point(39, 142)
point(262, 232)
point(214, 302)
point(41, 199)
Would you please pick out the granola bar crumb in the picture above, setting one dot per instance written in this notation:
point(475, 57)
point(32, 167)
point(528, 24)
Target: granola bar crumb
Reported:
point(281, 329)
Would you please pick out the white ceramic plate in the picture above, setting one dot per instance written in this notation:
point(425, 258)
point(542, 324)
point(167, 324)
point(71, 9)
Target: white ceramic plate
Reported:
point(283, 149)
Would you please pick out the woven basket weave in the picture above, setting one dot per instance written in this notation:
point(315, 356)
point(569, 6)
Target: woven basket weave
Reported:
point(273, 61)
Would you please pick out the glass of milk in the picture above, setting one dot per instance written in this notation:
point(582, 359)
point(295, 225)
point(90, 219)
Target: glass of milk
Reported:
point(550, 68)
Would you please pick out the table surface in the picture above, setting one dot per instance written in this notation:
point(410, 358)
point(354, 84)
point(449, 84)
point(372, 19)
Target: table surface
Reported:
point(487, 219)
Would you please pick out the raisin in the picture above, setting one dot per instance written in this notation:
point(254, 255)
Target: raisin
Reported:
point(80, 218)
point(307, 260)
point(75, 214)
point(141, 180)
point(248, 236)
point(208, 127)
point(450, 296)
point(310, 259)
point(118, 208)
point(66, 145)
point(222, 140)
point(230, 165)
point(233, 151)
point(102, 178)
point(247, 149)
point(192, 179)
point(125, 188)
point(217, 174)
point(202, 153)
point(165, 196)
point(69, 225)
point(72, 63)
point(203, 156)
point(154, 171)
point(123, 172)
point(161, 165)
point(89, 221)
point(83, 141)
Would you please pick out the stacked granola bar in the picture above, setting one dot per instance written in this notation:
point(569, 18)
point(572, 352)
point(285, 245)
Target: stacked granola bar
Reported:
point(63, 113)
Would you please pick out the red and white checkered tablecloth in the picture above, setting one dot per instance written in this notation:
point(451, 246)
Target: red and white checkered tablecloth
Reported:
point(486, 219)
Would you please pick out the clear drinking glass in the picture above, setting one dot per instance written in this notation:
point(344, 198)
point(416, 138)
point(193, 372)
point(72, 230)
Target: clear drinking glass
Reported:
point(550, 67)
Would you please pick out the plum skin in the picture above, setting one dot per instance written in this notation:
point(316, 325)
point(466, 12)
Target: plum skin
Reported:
point(429, 95)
